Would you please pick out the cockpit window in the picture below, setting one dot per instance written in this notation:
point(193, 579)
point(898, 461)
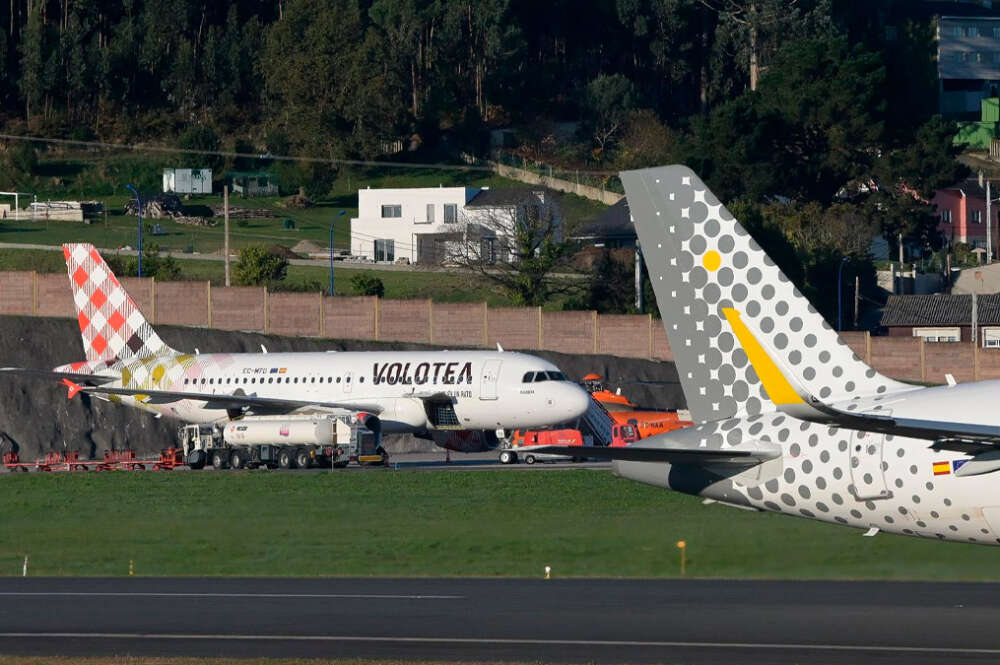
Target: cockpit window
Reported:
point(528, 377)
point(556, 376)
point(541, 376)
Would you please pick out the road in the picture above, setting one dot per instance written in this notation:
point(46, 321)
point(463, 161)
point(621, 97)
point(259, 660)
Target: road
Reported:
point(609, 621)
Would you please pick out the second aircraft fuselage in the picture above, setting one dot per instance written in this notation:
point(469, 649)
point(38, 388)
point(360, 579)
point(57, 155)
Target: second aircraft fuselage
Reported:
point(845, 476)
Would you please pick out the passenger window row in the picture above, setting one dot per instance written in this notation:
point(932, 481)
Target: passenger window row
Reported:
point(271, 379)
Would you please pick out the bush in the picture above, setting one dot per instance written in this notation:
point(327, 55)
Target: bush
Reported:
point(260, 266)
point(367, 285)
point(163, 268)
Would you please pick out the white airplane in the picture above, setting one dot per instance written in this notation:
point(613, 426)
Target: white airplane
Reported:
point(457, 398)
point(791, 420)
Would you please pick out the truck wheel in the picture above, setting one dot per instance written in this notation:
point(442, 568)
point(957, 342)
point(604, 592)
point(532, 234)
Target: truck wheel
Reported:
point(507, 457)
point(196, 459)
point(529, 459)
point(302, 458)
point(237, 459)
point(285, 458)
point(220, 460)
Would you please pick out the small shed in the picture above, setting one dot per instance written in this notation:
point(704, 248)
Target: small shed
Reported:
point(253, 184)
point(187, 181)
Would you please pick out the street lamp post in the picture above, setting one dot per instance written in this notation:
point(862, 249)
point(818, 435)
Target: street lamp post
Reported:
point(840, 272)
point(331, 258)
point(339, 214)
point(138, 200)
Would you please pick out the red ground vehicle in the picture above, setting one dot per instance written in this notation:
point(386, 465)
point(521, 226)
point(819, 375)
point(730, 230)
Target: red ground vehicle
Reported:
point(524, 443)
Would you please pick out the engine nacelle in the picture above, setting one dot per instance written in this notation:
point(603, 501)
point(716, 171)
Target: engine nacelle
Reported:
point(311, 431)
point(466, 440)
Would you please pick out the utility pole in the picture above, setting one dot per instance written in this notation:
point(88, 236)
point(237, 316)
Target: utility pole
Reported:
point(989, 216)
point(225, 212)
point(639, 304)
point(857, 299)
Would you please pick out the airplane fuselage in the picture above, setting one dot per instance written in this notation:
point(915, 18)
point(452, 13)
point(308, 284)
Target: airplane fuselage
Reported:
point(485, 388)
point(834, 474)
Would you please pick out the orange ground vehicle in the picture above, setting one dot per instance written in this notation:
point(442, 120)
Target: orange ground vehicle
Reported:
point(594, 385)
point(623, 411)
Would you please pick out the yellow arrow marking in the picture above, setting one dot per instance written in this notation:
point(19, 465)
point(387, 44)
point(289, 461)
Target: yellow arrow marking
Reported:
point(779, 390)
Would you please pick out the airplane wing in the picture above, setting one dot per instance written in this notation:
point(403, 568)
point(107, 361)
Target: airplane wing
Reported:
point(233, 400)
point(95, 384)
point(83, 379)
point(917, 428)
point(735, 457)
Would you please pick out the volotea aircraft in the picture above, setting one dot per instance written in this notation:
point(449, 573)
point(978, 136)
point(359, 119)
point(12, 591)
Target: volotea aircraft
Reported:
point(457, 398)
point(791, 420)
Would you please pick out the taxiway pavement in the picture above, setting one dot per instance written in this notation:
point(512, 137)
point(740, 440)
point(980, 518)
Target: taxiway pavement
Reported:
point(557, 620)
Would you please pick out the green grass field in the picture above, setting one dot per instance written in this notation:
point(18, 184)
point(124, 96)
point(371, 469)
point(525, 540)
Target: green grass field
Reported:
point(440, 286)
point(81, 178)
point(429, 523)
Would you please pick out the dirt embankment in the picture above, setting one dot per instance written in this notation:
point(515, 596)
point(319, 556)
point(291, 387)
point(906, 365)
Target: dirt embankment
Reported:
point(36, 417)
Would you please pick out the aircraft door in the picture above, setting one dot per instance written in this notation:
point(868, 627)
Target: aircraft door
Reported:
point(867, 474)
point(488, 383)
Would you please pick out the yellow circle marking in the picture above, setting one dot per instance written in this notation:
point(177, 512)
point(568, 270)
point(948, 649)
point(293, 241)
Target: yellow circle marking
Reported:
point(711, 260)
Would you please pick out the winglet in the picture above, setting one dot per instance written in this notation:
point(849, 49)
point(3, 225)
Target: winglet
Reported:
point(71, 388)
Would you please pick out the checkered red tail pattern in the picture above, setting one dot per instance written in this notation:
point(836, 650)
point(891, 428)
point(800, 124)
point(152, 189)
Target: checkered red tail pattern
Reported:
point(112, 326)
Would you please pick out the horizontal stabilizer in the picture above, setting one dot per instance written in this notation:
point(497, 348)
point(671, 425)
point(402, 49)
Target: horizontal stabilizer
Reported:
point(679, 455)
point(75, 377)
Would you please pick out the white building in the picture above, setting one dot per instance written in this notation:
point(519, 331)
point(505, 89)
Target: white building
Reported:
point(187, 181)
point(429, 224)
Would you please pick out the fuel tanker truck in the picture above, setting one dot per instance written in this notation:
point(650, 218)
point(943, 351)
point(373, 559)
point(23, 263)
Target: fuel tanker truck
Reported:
point(285, 442)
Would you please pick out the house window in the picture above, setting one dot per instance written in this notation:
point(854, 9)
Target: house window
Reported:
point(977, 216)
point(488, 250)
point(971, 31)
point(450, 212)
point(946, 216)
point(392, 211)
point(991, 338)
point(385, 250)
point(430, 213)
point(938, 334)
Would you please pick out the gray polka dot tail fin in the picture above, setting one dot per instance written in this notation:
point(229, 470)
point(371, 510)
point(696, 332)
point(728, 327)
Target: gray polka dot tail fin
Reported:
point(744, 338)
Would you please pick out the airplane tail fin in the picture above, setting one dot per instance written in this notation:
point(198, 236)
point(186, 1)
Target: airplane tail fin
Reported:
point(734, 321)
point(111, 325)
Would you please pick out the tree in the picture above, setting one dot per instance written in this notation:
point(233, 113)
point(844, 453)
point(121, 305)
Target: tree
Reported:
point(200, 138)
point(367, 285)
point(517, 247)
point(610, 286)
point(607, 101)
point(259, 265)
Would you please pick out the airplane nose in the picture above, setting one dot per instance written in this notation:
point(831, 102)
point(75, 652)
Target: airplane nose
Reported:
point(578, 401)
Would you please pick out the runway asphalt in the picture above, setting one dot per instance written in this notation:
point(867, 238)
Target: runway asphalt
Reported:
point(692, 622)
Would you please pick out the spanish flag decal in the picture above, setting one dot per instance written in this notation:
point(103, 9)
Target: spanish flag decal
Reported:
point(941, 468)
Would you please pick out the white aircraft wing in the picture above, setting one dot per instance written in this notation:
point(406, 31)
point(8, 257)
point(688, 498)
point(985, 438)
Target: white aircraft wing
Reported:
point(75, 377)
point(236, 400)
